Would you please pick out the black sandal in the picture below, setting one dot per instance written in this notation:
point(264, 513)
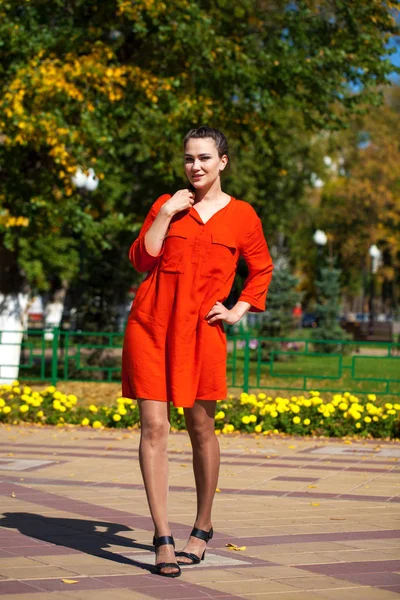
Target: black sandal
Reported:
point(202, 535)
point(165, 540)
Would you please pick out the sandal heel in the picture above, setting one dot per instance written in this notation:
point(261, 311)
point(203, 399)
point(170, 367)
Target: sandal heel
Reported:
point(202, 535)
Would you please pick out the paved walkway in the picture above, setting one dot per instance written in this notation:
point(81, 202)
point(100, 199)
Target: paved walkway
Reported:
point(314, 519)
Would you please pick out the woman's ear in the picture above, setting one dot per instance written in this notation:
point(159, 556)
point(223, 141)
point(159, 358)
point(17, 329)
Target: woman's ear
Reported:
point(224, 161)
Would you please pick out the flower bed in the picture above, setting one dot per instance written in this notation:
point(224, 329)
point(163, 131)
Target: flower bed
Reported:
point(342, 415)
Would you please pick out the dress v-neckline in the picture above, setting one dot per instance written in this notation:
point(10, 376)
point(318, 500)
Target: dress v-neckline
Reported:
point(216, 212)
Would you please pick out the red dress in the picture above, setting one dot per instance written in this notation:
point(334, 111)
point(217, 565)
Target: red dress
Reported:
point(170, 351)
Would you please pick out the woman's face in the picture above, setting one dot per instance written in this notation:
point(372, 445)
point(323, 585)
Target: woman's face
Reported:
point(203, 164)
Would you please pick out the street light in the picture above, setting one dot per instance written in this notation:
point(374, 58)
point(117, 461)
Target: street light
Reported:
point(375, 255)
point(320, 237)
point(84, 184)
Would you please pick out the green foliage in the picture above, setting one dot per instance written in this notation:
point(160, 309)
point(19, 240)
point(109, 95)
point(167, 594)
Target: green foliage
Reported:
point(282, 298)
point(327, 309)
point(115, 85)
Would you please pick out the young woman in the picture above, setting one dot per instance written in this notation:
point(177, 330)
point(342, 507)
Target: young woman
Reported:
point(175, 345)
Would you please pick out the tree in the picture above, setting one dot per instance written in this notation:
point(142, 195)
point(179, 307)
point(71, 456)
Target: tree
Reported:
point(114, 86)
point(327, 309)
point(282, 298)
point(362, 206)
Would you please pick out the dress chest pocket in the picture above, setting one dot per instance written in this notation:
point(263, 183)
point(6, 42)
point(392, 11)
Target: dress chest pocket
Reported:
point(175, 250)
point(220, 259)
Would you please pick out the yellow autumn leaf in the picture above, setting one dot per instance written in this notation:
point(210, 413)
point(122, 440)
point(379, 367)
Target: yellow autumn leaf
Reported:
point(235, 547)
point(69, 580)
point(314, 503)
point(217, 490)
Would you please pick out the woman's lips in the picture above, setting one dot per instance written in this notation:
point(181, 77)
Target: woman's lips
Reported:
point(195, 177)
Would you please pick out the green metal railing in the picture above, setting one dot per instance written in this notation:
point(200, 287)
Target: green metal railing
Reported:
point(262, 363)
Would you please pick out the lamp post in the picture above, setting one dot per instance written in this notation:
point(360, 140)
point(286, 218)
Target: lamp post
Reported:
point(375, 255)
point(84, 185)
point(320, 238)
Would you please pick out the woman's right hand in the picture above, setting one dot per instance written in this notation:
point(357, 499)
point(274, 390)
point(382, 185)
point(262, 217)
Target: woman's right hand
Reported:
point(181, 200)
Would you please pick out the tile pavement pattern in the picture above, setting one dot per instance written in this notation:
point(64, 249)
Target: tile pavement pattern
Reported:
point(319, 519)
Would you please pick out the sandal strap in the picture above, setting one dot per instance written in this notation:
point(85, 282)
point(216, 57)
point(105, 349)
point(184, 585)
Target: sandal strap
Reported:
point(201, 534)
point(163, 565)
point(193, 557)
point(164, 540)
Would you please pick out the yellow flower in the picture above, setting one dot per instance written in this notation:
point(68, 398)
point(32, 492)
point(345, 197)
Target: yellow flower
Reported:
point(252, 419)
point(371, 397)
point(262, 396)
point(388, 405)
point(220, 415)
point(275, 431)
point(56, 404)
point(116, 417)
point(367, 419)
point(180, 410)
point(51, 389)
point(274, 414)
point(6, 410)
point(24, 408)
point(93, 408)
point(122, 411)
point(85, 421)
point(229, 428)
point(358, 425)
point(72, 398)
point(296, 420)
point(258, 428)
point(2, 403)
point(306, 422)
point(39, 414)
point(375, 419)
point(391, 412)
point(97, 425)
point(17, 390)
point(245, 420)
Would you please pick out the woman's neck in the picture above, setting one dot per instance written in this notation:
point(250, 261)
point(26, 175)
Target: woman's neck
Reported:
point(213, 194)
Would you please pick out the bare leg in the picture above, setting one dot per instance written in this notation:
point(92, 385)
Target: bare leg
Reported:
point(153, 459)
point(200, 425)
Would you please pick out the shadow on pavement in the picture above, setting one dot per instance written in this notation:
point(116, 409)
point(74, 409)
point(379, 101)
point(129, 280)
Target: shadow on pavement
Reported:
point(78, 534)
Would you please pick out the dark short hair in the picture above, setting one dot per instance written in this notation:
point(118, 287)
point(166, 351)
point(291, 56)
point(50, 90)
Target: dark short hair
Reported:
point(209, 132)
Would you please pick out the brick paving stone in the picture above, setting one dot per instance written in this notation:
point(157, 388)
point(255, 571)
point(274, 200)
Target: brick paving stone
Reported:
point(318, 520)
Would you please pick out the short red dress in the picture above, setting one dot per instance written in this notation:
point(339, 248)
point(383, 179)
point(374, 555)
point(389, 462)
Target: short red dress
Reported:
point(171, 353)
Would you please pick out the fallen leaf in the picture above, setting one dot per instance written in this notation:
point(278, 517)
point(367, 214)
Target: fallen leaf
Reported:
point(69, 580)
point(234, 547)
point(311, 486)
point(183, 465)
point(10, 454)
point(314, 503)
point(12, 495)
point(217, 490)
point(71, 475)
point(291, 447)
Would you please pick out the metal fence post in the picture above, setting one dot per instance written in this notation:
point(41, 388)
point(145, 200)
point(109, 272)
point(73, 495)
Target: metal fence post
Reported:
point(54, 356)
point(246, 361)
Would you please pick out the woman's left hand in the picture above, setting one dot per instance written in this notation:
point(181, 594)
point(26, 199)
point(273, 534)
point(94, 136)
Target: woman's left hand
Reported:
point(219, 311)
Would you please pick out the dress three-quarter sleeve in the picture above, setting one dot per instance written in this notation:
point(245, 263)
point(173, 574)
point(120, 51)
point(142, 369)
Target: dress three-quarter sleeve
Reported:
point(138, 255)
point(256, 254)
